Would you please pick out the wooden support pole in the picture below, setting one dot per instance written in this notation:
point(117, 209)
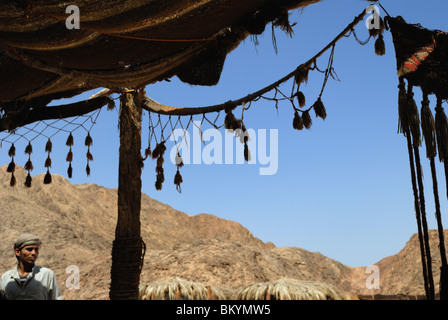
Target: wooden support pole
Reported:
point(128, 247)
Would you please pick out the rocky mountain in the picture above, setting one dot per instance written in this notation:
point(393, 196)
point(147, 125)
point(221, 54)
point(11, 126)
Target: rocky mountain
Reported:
point(77, 224)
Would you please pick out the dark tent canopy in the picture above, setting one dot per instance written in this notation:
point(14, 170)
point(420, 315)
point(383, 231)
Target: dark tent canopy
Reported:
point(120, 44)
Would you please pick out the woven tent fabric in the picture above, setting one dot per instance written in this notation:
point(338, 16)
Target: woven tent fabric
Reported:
point(120, 44)
point(422, 56)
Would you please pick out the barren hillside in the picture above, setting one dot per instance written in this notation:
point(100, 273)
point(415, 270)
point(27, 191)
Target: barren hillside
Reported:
point(77, 223)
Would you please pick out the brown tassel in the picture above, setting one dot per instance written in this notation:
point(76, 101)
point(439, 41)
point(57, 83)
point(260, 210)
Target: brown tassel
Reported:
point(70, 140)
point(306, 118)
point(147, 153)
point(246, 152)
point(413, 118)
point(230, 122)
point(301, 75)
point(29, 166)
point(160, 161)
point(319, 108)
point(47, 178)
point(89, 156)
point(428, 129)
point(70, 171)
point(88, 169)
point(178, 180)
point(29, 149)
point(13, 180)
point(11, 167)
point(28, 181)
point(12, 151)
point(69, 157)
point(301, 99)
point(160, 179)
point(297, 122)
point(48, 146)
point(441, 125)
point(403, 123)
point(48, 162)
point(159, 150)
point(88, 141)
point(158, 185)
point(374, 32)
point(380, 46)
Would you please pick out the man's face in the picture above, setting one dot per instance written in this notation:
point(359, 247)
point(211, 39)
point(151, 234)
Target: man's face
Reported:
point(28, 254)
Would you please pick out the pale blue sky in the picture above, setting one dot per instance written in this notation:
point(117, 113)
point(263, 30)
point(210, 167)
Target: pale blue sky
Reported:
point(342, 188)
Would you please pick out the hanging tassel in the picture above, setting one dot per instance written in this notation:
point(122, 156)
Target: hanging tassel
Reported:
point(158, 153)
point(297, 122)
point(413, 118)
point(28, 181)
point(70, 171)
point(428, 129)
point(230, 121)
point(11, 167)
point(29, 166)
point(47, 178)
point(48, 162)
point(88, 169)
point(48, 146)
point(403, 123)
point(158, 150)
point(12, 151)
point(306, 118)
point(69, 157)
point(178, 180)
point(246, 152)
point(13, 180)
point(70, 140)
point(29, 149)
point(301, 74)
point(441, 125)
point(301, 99)
point(48, 149)
point(374, 32)
point(88, 141)
point(319, 109)
point(380, 46)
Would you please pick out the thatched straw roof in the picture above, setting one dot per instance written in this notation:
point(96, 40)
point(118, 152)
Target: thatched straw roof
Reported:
point(290, 289)
point(180, 289)
point(121, 44)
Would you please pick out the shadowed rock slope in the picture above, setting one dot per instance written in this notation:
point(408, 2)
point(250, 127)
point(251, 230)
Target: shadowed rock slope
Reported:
point(77, 224)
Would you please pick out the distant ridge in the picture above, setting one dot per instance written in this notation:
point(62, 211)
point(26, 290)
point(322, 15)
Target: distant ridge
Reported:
point(77, 224)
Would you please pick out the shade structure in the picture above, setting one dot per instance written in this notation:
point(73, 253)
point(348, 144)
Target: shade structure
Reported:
point(120, 44)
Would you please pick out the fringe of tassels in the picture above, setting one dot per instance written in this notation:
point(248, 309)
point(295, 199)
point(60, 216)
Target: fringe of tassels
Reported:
point(435, 134)
point(48, 162)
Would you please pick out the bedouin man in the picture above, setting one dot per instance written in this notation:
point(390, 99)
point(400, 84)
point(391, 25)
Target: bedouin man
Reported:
point(28, 281)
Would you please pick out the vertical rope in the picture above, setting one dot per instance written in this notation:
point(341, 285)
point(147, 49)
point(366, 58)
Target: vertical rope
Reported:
point(414, 125)
point(405, 129)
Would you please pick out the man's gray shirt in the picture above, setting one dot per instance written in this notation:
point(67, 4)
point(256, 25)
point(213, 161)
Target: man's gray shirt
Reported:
point(40, 284)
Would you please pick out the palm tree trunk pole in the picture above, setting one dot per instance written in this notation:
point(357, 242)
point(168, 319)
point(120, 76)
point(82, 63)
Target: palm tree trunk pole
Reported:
point(128, 246)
